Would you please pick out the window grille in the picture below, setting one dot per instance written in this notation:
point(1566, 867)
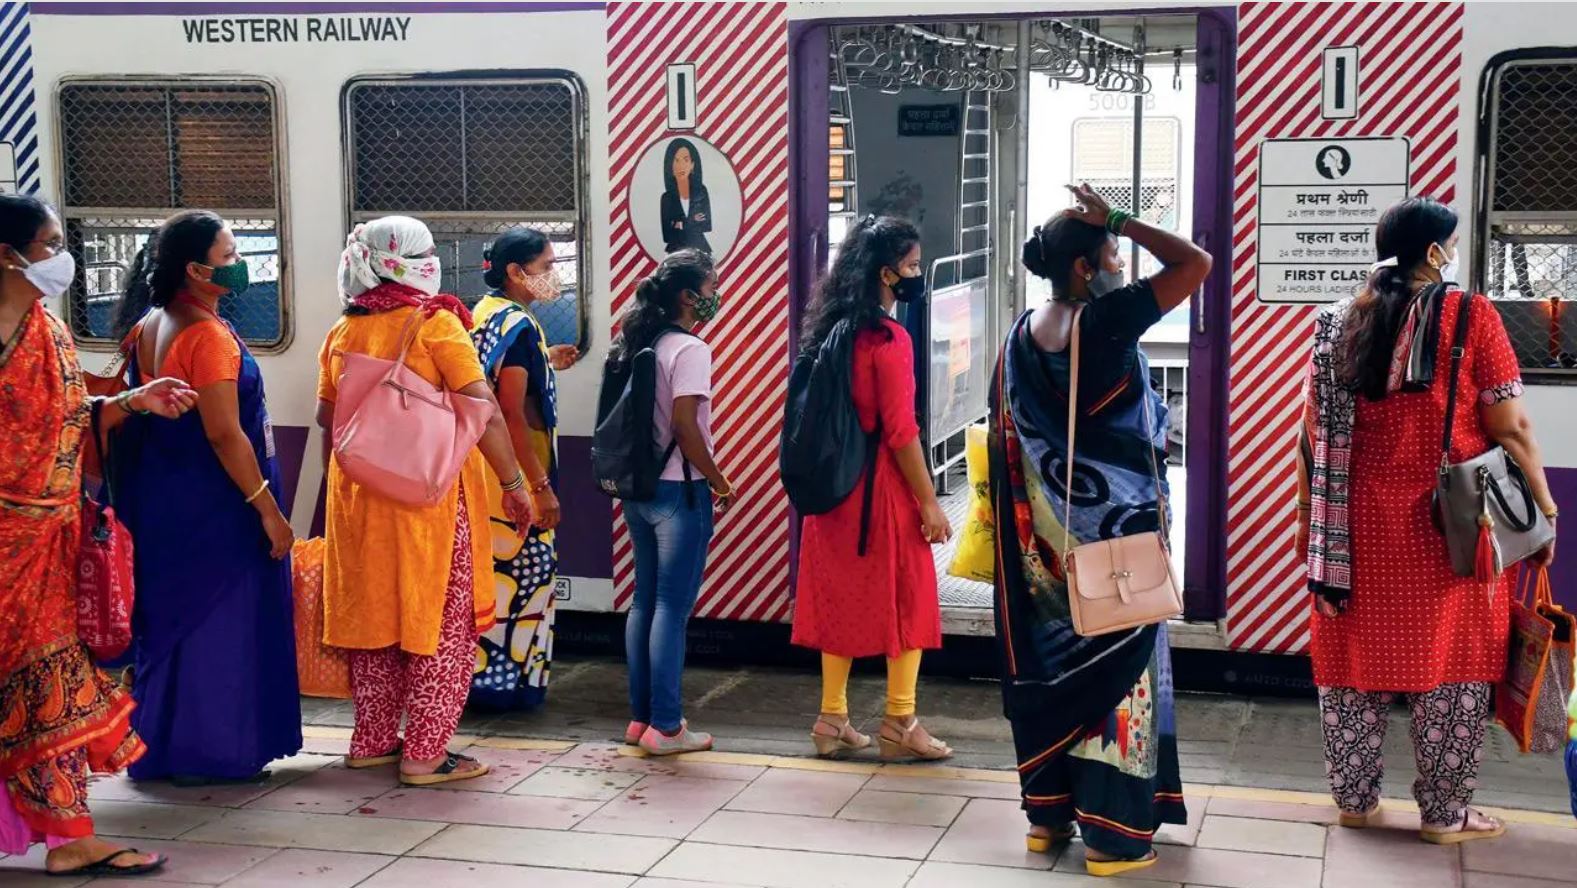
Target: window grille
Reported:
point(1528, 235)
point(472, 158)
point(134, 152)
point(1103, 157)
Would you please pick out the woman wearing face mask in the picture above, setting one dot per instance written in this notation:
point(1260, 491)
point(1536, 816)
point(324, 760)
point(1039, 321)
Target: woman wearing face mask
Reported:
point(516, 653)
point(215, 637)
point(671, 532)
point(60, 717)
point(1092, 716)
point(1391, 617)
point(407, 588)
point(883, 602)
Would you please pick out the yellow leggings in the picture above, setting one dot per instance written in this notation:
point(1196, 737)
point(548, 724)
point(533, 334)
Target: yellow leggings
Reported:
point(903, 676)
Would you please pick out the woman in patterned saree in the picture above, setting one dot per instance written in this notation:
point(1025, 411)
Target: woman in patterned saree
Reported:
point(60, 717)
point(512, 664)
point(1092, 716)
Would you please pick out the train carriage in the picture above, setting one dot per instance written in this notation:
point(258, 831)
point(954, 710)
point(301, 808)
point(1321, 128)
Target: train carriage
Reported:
point(1271, 133)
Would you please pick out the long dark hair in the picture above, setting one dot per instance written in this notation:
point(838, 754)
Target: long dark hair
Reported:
point(852, 290)
point(670, 184)
point(1054, 247)
point(517, 246)
point(657, 300)
point(21, 217)
point(158, 271)
point(1369, 334)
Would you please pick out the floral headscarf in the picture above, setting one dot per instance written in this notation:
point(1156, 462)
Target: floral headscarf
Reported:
point(394, 248)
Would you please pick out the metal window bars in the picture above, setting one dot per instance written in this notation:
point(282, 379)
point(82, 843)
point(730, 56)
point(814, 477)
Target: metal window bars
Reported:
point(1528, 247)
point(473, 157)
point(135, 151)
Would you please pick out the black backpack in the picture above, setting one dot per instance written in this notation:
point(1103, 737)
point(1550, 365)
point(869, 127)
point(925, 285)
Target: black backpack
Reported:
point(624, 457)
point(823, 450)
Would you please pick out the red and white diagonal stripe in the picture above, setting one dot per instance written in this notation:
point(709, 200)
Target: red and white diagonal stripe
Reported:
point(741, 55)
point(1410, 61)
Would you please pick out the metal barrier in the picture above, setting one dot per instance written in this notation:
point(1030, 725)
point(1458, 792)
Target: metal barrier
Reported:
point(1528, 248)
point(136, 151)
point(472, 158)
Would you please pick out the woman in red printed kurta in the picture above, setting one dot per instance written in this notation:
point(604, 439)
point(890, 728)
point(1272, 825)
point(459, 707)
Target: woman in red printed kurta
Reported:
point(883, 603)
point(1394, 618)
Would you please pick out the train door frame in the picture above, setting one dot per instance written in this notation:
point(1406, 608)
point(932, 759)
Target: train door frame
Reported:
point(1209, 342)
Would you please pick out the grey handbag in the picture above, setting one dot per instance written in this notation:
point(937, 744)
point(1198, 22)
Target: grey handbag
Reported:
point(1483, 505)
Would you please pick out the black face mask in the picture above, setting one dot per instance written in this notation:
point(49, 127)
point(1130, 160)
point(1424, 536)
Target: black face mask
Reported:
point(909, 289)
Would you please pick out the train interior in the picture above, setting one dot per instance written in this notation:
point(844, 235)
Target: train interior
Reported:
point(972, 130)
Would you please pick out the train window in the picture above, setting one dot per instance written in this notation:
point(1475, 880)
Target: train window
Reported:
point(133, 152)
point(1103, 157)
point(1528, 225)
point(471, 158)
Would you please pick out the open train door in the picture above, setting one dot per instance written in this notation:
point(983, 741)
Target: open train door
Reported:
point(971, 128)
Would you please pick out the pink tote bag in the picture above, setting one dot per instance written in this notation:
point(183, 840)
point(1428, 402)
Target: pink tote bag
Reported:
point(399, 435)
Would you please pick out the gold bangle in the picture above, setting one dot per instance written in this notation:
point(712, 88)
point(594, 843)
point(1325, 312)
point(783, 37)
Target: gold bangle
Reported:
point(515, 483)
point(257, 493)
point(723, 494)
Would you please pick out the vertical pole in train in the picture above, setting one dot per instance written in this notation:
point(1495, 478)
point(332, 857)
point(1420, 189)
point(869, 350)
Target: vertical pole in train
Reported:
point(1138, 144)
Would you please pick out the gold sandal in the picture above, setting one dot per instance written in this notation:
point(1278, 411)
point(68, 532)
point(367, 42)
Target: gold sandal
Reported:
point(907, 745)
point(844, 739)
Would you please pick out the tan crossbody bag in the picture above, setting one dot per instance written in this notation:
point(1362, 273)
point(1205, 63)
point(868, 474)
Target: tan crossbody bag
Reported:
point(1119, 583)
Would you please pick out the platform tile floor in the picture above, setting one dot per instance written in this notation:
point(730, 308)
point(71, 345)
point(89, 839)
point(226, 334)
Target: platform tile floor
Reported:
point(595, 815)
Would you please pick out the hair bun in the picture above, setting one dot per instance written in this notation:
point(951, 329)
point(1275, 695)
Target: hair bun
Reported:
point(1034, 255)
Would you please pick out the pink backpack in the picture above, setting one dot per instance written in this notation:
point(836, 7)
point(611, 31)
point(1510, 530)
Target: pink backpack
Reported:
point(399, 435)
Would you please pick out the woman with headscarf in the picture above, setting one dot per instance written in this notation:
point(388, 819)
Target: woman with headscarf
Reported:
point(401, 587)
point(512, 665)
point(1092, 716)
point(60, 717)
point(686, 207)
point(215, 676)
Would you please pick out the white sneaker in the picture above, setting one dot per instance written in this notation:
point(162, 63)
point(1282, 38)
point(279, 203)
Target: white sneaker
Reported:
point(655, 742)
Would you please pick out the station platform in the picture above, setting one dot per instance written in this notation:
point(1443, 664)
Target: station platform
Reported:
point(567, 806)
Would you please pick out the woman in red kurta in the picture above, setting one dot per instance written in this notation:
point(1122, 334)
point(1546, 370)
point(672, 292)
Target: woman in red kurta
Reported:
point(882, 603)
point(1394, 618)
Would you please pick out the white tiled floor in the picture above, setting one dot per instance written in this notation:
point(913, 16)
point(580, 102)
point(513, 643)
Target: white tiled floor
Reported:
point(596, 817)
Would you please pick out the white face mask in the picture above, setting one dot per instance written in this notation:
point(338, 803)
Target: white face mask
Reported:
point(1449, 268)
point(52, 276)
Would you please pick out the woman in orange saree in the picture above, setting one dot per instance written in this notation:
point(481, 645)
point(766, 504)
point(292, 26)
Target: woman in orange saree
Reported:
point(60, 717)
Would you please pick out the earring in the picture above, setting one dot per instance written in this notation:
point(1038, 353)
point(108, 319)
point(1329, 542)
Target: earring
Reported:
point(1088, 277)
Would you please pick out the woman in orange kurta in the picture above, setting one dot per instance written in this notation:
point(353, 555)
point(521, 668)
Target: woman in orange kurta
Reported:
point(400, 584)
point(60, 717)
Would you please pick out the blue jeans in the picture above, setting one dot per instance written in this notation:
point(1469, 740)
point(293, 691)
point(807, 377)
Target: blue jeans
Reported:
point(670, 537)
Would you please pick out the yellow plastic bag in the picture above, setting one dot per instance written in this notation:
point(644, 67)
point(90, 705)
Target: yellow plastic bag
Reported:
point(976, 556)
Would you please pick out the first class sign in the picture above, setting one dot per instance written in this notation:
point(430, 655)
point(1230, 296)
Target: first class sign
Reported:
point(298, 29)
point(1319, 200)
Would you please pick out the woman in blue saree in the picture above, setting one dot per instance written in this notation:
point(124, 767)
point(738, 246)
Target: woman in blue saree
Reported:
point(1092, 716)
point(215, 668)
point(515, 655)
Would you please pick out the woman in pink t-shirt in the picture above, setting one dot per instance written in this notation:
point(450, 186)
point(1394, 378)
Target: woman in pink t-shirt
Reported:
point(670, 533)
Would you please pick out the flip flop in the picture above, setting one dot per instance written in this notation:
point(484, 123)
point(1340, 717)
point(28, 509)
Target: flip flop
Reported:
point(447, 772)
point(106, 866)
point(1043, 844)
point(1350, 820)
point(376, 761)
point(1117, 867)
point(1460, 833)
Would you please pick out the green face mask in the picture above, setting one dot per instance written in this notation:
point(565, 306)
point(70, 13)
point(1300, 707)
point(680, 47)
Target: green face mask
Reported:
point(706, 307)
point(234, 278)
